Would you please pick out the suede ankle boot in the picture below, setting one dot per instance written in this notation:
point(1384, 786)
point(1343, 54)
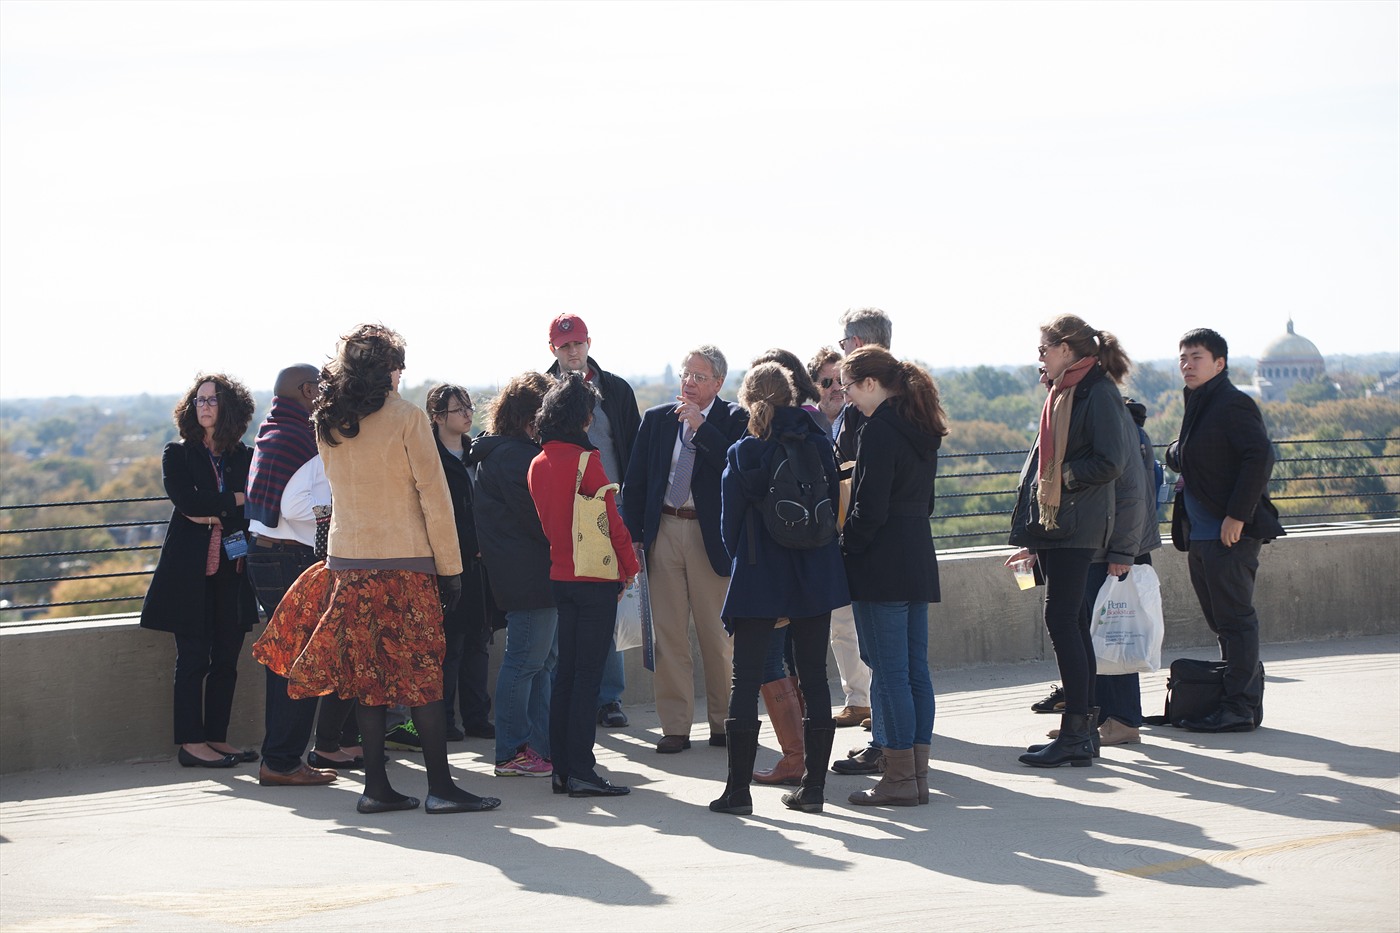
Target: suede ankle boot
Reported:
point(742, 747)
point(897, 787)
point(921, 771)
point(816, 740)
point(1072, 746)
point(784, 705)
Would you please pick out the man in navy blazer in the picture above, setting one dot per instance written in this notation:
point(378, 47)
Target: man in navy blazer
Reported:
point(670, 502)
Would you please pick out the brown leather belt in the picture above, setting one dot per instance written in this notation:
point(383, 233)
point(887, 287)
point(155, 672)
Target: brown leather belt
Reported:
point(279, 544)
point(690, 514)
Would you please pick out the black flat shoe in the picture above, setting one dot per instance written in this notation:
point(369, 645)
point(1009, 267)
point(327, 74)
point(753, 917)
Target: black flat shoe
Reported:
point(558, 783)
point(317, 760)
point(368, 804)
point(475, 805)
point(599, 788)
point(191, 761)
point(248, 756)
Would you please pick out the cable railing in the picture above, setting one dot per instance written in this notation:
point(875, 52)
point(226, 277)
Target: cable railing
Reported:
point(1320, 481)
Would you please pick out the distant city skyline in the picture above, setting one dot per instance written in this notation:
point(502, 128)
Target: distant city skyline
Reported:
point(230, 186)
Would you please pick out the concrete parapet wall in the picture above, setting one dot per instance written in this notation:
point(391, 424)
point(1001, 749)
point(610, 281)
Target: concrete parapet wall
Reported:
point(88, 692)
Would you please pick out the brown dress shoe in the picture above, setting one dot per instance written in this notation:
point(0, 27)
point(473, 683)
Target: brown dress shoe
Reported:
point(670, 744)
point(1113, 732)
point(852, 715)
point(304, 776)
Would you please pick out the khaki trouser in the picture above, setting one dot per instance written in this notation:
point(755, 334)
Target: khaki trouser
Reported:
point(855, 676)
point(685, 586)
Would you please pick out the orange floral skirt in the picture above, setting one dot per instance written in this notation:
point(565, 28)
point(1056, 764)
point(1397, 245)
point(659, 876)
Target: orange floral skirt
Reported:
point(374, 635)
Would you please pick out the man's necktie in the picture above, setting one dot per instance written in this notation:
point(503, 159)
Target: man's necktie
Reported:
point(685, 466)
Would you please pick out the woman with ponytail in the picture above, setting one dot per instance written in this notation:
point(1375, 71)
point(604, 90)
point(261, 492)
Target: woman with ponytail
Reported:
point(890, 559)
point(768, 581)
point(1065, 505)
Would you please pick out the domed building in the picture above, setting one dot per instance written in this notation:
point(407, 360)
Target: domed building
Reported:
point(1287, 361)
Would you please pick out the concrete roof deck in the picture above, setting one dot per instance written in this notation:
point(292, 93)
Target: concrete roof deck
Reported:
point(1293, 827)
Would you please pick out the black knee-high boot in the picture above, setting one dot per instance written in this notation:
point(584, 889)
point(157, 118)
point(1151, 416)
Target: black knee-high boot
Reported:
point(817, 737)
point(743, 748)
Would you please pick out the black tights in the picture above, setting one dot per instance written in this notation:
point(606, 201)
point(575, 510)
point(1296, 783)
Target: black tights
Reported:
point(431, 724)
point(809, 641)
point(1067, 619)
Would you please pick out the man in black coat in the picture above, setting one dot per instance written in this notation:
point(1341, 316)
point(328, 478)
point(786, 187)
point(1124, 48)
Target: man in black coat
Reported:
point(671, 504)
point(613, 431)
point(1221, 518)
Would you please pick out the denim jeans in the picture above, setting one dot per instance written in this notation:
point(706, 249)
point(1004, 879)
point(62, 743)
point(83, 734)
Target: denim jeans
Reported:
point(894, 644)
point(587, 615)
point(525, 680)
point(614, 680)
point(778, 659)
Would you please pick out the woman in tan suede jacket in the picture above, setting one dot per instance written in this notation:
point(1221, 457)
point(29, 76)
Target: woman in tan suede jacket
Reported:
point(374, 611)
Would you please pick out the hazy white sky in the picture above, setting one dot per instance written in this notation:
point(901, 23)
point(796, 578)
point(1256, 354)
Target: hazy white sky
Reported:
point(231, 185)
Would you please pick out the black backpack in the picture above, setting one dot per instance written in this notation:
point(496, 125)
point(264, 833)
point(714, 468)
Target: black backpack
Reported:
point(797, 510)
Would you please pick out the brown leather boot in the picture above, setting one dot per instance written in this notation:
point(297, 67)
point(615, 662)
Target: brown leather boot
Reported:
point(784, 705)
point(897, 787)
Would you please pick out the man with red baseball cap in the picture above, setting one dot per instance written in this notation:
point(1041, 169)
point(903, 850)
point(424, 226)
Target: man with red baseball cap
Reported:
point(614, 428)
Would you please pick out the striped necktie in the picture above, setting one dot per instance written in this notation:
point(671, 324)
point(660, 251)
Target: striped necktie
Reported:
point(685, 466)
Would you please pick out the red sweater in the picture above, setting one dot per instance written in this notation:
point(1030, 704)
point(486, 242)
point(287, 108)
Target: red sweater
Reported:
point(551, 480)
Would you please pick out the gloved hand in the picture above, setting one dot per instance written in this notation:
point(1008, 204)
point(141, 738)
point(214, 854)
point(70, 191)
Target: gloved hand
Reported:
point(450, 589)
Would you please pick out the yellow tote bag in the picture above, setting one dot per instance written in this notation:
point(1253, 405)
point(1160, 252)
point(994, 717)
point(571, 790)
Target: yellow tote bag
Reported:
point(593, 549)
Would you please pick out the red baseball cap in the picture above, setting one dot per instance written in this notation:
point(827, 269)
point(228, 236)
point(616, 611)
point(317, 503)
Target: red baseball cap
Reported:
point(567, 328)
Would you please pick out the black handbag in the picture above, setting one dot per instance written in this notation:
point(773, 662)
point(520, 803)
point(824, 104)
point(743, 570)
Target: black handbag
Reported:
point(1196, 688)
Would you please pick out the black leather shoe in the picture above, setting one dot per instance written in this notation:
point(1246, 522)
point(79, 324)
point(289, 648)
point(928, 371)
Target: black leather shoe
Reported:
point(190, 761)
point(719, 739)
point(479, 730)
point(1221, 719)
point(671, 744)
point(317, 760)
point(599, 788)
point(454, 734)
point(867, 762)
point(558, 783)
point(368, 804)
point(475, 805)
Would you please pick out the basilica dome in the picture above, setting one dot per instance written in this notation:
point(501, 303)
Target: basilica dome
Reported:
point(1287, 361)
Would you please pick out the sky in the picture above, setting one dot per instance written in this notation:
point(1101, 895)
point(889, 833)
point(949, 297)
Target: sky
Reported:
point(230, 186)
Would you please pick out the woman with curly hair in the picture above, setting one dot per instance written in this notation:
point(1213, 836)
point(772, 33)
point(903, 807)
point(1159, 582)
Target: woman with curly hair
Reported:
point(516, 554)
point(200, 591)
point(587, 605)
point(368, 623)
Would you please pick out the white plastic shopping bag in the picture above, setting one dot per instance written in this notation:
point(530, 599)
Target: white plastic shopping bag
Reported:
point(1127, 624)
point(634, 614)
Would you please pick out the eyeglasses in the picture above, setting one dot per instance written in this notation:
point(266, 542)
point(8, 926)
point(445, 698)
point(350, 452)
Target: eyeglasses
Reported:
point(843, 341)
point(846, 386)
point(466, 409)
point(202, 402)
point(826, 382)
point(697, 378)
point(1045, 348)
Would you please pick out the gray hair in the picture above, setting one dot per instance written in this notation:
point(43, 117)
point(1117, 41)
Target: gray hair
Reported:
point(710, 353)
point(871, 325)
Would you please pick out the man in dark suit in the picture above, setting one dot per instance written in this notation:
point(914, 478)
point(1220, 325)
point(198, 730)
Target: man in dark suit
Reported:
point(1222, 517)
point(670, 501)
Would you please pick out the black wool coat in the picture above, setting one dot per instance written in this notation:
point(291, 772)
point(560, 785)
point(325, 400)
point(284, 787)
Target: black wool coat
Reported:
point(886, 540)
point(513, 545)
point(175, 600)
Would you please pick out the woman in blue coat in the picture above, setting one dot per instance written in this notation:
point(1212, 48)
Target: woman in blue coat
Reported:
point(769, 581)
